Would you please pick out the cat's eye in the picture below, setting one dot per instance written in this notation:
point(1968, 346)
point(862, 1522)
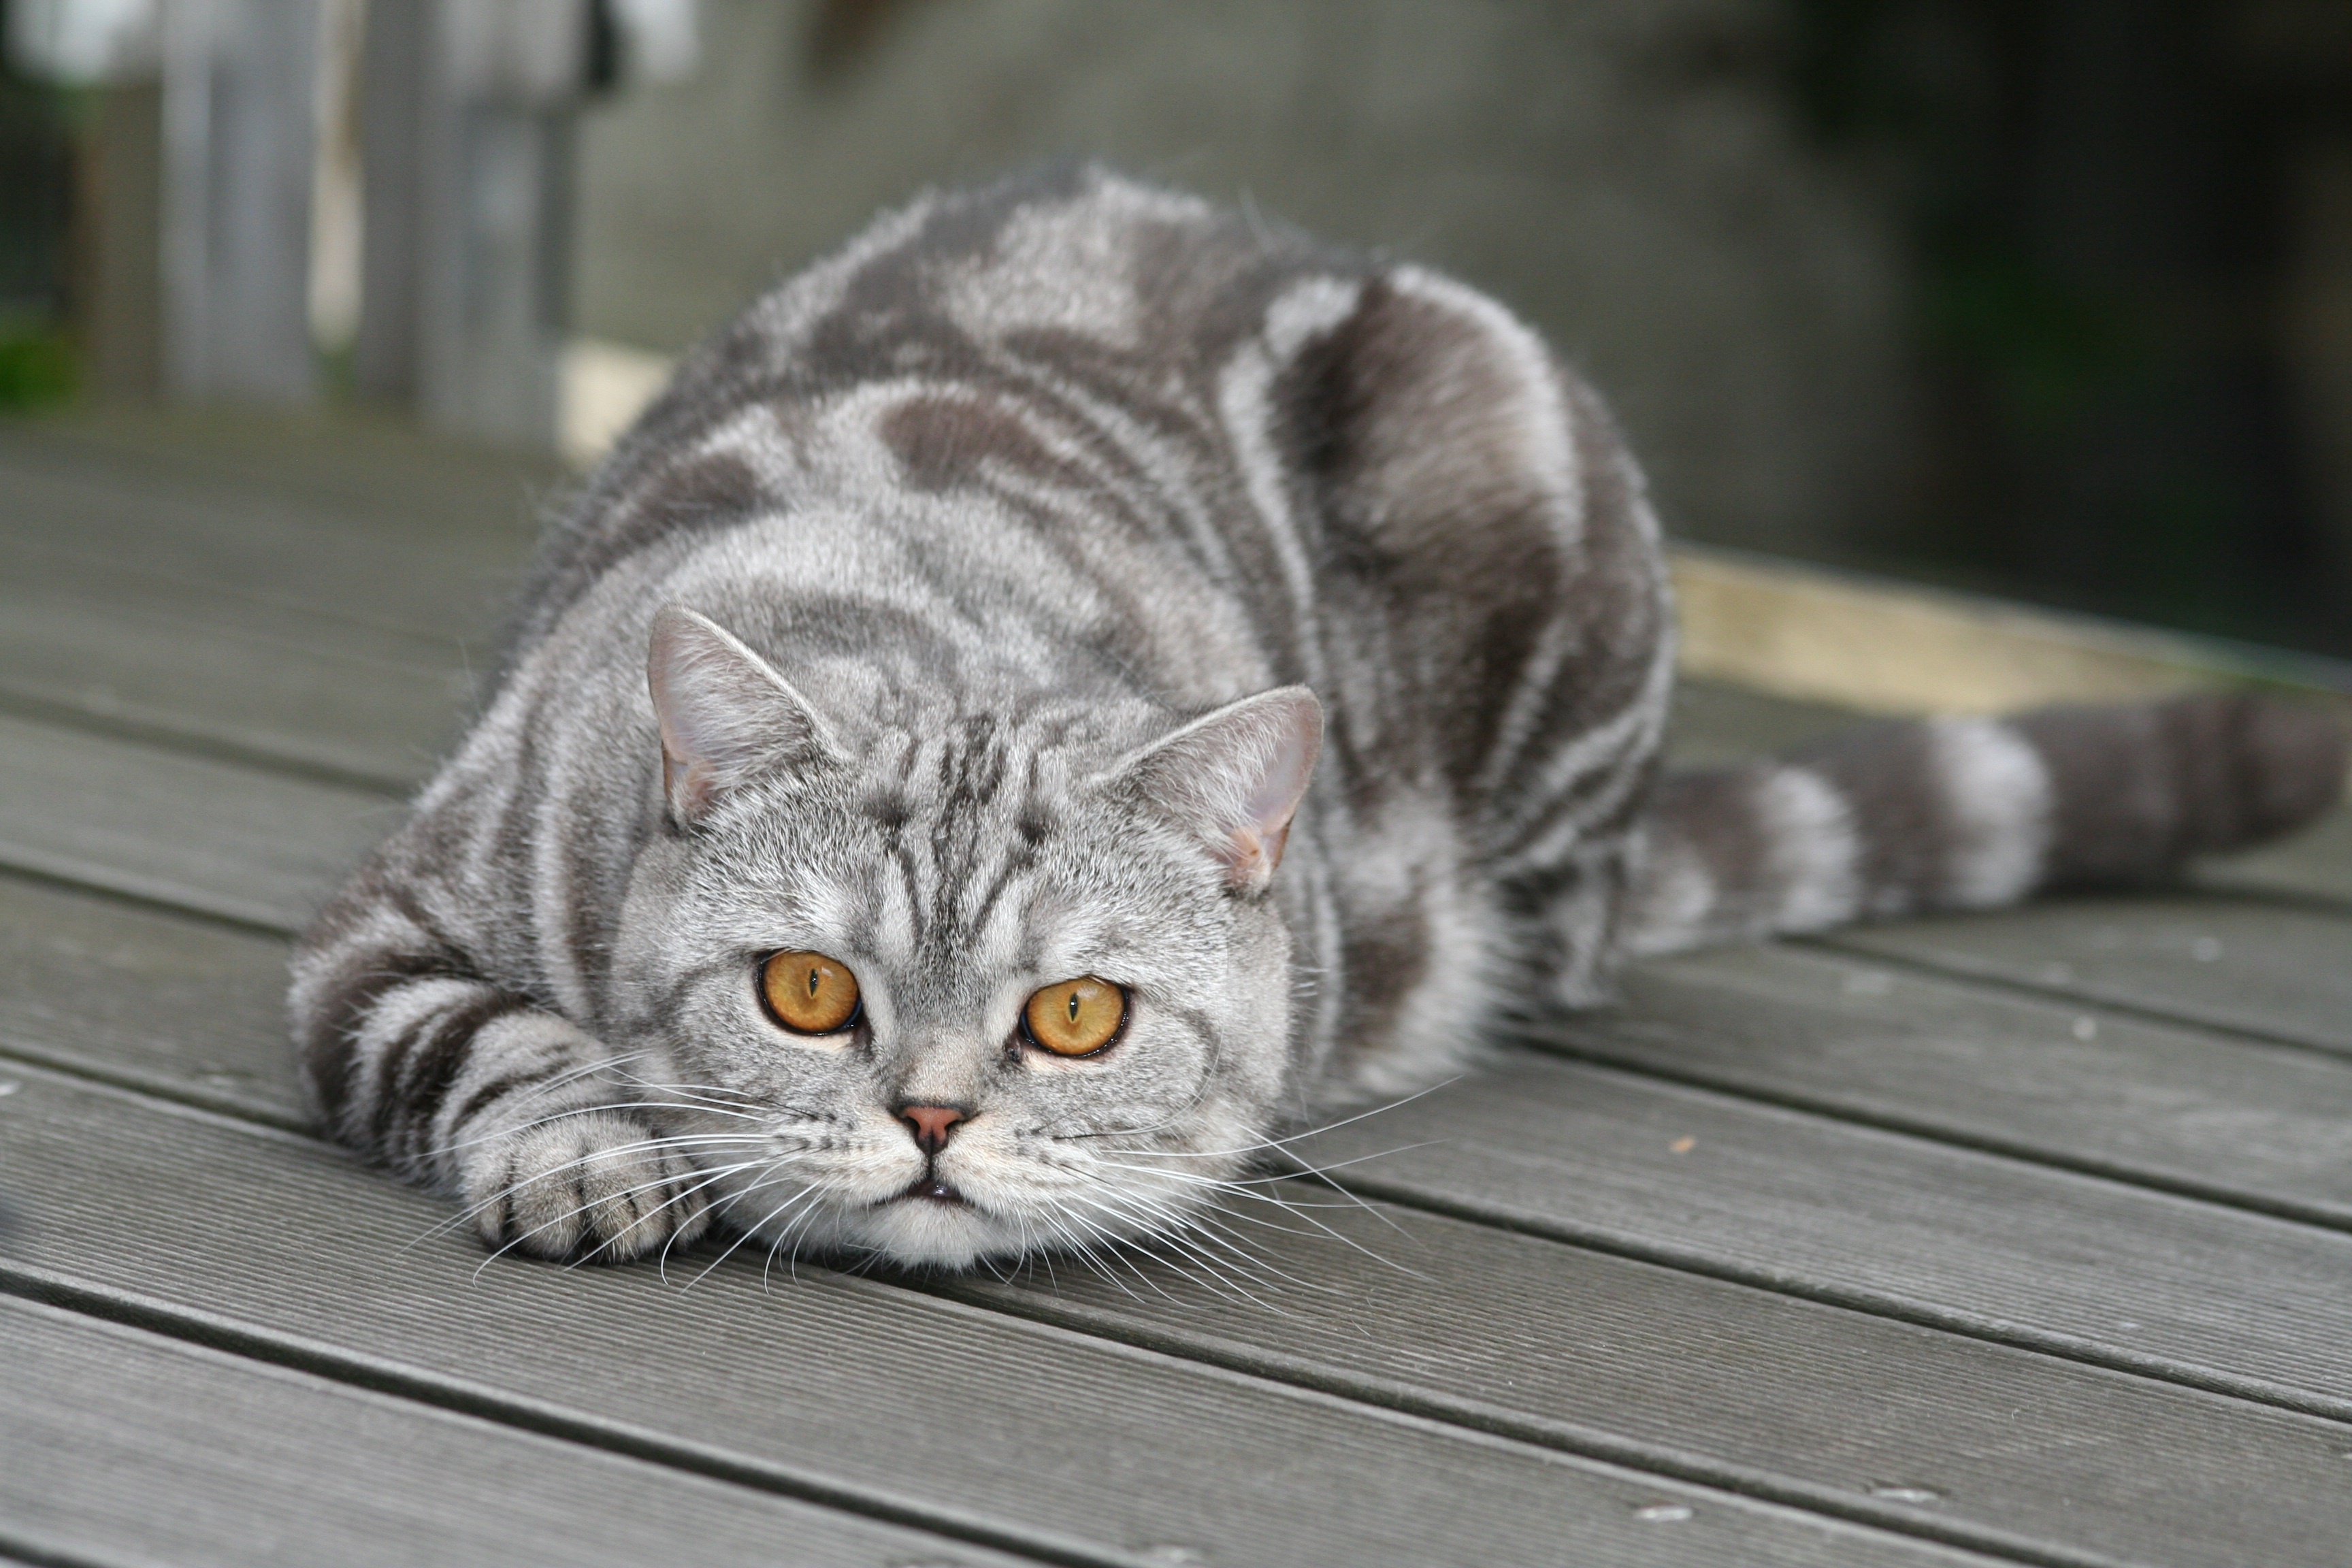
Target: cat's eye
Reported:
point(1075, 1017)
point(808, 993)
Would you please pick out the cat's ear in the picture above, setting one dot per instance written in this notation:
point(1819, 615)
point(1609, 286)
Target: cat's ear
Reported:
point(725, 713)
point(1234, 778)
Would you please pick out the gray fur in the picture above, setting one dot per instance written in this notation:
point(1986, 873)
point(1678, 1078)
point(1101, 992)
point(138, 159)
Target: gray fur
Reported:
point(988, 568)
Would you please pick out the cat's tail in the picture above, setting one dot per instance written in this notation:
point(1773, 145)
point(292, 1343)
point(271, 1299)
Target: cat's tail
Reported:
point(1906, 816)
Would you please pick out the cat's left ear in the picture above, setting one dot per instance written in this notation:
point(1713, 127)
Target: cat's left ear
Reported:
point(1234, 778)
point(725, 713)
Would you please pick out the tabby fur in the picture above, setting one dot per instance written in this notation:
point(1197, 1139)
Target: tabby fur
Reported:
point(1008, 579)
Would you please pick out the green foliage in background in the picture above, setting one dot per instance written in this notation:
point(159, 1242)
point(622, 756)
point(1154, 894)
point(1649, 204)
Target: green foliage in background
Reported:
point(37, 357)
point(2095, 198)
point(37, 369)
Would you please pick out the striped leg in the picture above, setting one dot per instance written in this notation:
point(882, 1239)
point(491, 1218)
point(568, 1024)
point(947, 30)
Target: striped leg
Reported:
point(473, 1090)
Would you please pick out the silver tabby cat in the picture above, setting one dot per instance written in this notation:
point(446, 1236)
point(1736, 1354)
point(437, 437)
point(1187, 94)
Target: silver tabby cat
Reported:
point(1072, 686)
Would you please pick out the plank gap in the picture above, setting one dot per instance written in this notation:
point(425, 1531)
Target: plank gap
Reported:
point(2248, 1390)
point(18, 1550)
point(1584, 1442)
point(203, 740)
point(141, 893)
point(1587, 1442)
point(523, 1414)
point(1899, 1308)
point(2075, 995)
point(1568, 1047)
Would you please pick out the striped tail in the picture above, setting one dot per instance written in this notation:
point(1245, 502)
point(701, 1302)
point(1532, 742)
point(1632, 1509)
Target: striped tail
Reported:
point(1907, 817)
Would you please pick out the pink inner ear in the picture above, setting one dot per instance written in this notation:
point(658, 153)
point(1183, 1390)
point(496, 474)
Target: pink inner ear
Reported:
point(723, 711)
point(1257, 842)
point(688, 785)
point(1236, 778)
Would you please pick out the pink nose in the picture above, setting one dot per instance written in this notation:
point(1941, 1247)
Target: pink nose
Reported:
point(933, 1125)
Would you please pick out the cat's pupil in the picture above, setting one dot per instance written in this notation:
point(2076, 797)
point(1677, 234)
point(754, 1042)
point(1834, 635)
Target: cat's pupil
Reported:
point(1073, 1006)
point(814, 973)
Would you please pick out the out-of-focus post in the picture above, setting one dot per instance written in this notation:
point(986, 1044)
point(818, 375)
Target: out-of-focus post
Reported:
point(240, 96)
point(212, 233)
point(498, 82)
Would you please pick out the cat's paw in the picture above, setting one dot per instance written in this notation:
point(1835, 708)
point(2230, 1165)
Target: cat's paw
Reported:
point(596, 1186)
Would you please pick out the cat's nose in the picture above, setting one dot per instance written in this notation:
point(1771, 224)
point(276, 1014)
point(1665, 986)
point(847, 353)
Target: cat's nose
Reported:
point(933, 1125)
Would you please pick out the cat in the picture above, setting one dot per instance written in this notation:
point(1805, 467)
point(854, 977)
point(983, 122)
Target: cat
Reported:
point(1077, 683)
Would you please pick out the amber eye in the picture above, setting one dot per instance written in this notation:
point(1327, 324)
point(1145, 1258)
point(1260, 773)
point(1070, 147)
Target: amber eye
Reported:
point(809, 993)
point(1075, 1017)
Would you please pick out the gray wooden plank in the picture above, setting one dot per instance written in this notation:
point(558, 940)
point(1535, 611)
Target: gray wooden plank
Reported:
point(198, 666)
point(2261, 968)
point(236, 841)
point(1604, 1356)
point(387, 566)
point(2003, 1448)
point(2014, 1251)
point(2314, 864)
point(125, 1447)
point(374, 469)
point(929, 1410)
point(181, 1005)
point(243, 582)
point(2237, 1119)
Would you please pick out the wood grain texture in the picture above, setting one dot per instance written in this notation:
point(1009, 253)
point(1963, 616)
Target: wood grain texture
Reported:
point(2237, 1120)
point(277, 555)
point(852, 1388)
point(225, 672)
point(124, 1446)
point(364, 472)
point(155, 823)
point(178, 1004)
point(1600, 1354)
point(2005, 1248)
point(2230, 963)
point(1999, 1447)
point(388, 553)
point(2314, 864)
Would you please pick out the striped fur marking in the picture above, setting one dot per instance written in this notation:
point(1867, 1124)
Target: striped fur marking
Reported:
point(1072, 581)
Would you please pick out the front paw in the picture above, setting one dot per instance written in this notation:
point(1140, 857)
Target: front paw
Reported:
point(597, 1187)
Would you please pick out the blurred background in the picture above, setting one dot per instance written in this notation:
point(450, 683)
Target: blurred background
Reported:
point(2050, 298)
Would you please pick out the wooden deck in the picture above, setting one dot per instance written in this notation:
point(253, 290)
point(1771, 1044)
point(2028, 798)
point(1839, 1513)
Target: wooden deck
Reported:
point(2014, 1240)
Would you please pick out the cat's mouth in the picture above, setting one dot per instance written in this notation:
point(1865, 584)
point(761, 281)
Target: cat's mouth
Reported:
point(932, 1189)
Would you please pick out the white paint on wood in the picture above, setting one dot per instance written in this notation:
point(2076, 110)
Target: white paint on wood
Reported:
point(604, 386)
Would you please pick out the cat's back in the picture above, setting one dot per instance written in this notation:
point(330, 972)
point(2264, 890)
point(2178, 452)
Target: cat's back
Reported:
point(1068, 326)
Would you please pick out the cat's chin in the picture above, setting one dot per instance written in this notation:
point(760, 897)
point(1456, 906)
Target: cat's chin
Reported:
point(915, 1231)
point(926, 1232)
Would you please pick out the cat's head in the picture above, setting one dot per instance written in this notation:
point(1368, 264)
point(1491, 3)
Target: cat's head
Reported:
point(1000, 983)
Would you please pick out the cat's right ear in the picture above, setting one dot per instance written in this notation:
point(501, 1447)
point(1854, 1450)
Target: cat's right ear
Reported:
point(1233, 779)
point(725, 713)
